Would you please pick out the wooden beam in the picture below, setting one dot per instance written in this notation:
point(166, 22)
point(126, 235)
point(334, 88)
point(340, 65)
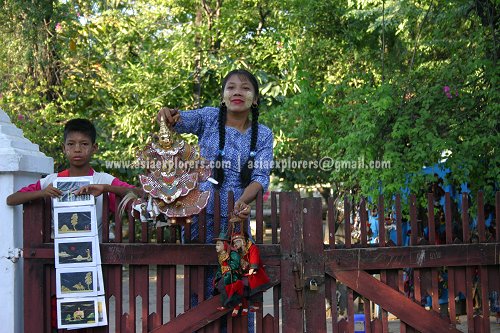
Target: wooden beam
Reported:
point(157, 254)
point(197, 317)
point(194, 319)
point(414, 256)
point(392, 301)
point(342, 259)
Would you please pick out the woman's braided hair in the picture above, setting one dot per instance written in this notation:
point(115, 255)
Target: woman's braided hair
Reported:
point(246, 171)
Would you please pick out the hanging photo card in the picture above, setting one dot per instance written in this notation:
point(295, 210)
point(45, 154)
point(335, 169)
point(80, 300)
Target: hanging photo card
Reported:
point(69, 185)
point(76, 252)
point(76, 282)
point(98, 252)
point(77, 312)
point(102, 314)
point(100, 280)
point(78, 221)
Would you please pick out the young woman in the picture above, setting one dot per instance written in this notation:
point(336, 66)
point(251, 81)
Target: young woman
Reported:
point(239, 148)
point(230, 137)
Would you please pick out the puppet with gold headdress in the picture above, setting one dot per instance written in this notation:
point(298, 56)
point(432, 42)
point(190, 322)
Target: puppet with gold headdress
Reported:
point(173, 172)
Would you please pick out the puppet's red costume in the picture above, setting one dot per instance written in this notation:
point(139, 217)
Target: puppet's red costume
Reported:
point(255, 283)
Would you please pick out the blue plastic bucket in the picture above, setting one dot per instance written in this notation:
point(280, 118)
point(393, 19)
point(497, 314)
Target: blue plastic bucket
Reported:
point(359, 323)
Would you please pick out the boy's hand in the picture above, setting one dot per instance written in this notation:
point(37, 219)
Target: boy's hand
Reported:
point(170, 116)
point(94, 189)
point(51, 191)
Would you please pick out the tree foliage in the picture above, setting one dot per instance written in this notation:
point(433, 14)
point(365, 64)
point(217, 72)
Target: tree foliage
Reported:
point(405, 83)
point(360, 80)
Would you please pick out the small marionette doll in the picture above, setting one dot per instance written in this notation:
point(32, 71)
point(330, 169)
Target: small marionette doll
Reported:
point(255, 279)
point(227, 281)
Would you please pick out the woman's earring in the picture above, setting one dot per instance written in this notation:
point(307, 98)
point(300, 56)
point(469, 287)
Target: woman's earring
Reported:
point(222, 103)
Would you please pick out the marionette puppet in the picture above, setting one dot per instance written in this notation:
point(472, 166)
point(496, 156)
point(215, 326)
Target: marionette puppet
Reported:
point(173, 172)
point(227, 281)
point(255, 279)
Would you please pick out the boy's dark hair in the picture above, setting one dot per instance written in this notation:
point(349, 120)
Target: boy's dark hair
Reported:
point(80, 125)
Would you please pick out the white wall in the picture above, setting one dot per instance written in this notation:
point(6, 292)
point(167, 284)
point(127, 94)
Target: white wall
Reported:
point(21, 163)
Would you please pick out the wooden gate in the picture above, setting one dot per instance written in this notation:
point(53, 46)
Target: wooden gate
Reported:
point(150, 277)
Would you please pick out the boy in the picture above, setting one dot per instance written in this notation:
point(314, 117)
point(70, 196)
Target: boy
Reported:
point(79, 146)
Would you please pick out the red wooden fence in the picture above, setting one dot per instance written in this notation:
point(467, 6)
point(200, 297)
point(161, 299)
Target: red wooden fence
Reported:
point(148, 262)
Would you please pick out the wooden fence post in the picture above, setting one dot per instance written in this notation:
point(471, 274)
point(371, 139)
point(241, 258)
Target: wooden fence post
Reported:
point(291, 262)
point(36, 312)
point(314, 265)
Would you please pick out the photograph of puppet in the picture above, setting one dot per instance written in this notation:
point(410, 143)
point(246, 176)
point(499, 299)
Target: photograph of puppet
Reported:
point(227, 281)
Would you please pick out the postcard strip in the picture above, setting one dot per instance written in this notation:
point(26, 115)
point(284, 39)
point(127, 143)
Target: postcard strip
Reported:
point(102, 317)
point(76, 252)
point(77, 312)
point(69, 185)
point(76, 282)
point(78, 221)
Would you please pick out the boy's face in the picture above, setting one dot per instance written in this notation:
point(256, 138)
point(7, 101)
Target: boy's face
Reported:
point(78, 149)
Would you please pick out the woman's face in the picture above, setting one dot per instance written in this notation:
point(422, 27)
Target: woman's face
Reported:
point(239, 94)
point(219, 246)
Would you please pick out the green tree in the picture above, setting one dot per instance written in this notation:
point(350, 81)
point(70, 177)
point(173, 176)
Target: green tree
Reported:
point(372, 80)
point(402, 82)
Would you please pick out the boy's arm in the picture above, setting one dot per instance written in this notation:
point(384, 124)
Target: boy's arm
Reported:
point(98, 189)
point(19, 198)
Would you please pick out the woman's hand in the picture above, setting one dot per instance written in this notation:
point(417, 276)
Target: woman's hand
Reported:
point(170, 116)
point(241, 209)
